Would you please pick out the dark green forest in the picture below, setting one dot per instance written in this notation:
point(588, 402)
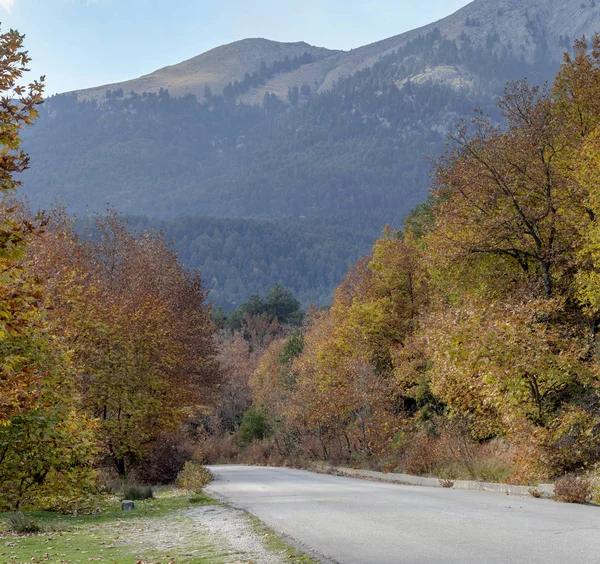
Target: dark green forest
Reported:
point(240, 257)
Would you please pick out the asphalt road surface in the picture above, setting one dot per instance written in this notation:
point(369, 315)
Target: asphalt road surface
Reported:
point(347, 520)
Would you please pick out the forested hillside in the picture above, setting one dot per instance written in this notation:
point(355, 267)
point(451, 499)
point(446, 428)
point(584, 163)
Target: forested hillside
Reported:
point(356, 153)
point(338, 153)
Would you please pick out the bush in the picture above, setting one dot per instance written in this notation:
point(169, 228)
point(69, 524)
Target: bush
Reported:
point(136, 492)
point(421, 455)
point(165, 459)
point(21, 524)
point(254, 427)
point(193, 477)
point(572, 489)
point(449, 453)
point(262, 453)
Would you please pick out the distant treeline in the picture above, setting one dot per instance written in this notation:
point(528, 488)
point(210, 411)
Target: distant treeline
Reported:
point(241, 257)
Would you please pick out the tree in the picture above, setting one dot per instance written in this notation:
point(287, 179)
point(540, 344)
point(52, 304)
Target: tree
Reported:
point(17, 107)
point(20, 299)
point(47, 448)
point(282, 305)
point(508, 194)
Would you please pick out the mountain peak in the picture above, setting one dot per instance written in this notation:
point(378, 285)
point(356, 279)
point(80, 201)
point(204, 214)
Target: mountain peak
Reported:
point(215, 68)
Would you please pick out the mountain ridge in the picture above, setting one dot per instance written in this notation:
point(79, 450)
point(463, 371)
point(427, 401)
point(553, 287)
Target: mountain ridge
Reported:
point(519, 27)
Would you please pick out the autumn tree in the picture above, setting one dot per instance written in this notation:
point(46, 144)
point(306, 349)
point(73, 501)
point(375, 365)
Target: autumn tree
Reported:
point(336, 383)
point(140, 331)
point(18, 303)
point(508, 194)
point(512, 254)
point(239, 355)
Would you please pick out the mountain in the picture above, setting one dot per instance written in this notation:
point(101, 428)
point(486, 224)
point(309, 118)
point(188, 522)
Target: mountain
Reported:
point(522, 29)
point(313, 137)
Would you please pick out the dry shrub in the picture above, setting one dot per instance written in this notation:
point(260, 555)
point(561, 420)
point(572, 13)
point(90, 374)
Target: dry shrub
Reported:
point(193, 477)
point(108, 479)
point(262, 453)
point(421, 455)
point(303, 447)
point(594, 477)
point(571, 488)
point(571, 442)
point(449, 453)
point(216, 449)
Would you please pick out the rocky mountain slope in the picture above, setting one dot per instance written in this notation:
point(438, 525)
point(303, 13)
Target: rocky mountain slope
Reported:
point(523, 29)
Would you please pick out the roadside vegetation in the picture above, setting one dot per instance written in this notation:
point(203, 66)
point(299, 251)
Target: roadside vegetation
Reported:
point(465, 345)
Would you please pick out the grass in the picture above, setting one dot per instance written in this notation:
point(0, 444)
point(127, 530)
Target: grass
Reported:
point(276, 544)
point(111, 536)
point(157, 531)
point(21, 523)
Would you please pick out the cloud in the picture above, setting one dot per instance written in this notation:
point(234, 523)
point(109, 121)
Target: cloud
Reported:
point(7, 4)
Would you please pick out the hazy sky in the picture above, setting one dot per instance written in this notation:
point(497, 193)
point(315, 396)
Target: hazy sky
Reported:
point(82, 43)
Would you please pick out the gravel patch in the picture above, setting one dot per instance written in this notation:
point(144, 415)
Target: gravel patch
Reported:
point(214, 533)
point(234, 526)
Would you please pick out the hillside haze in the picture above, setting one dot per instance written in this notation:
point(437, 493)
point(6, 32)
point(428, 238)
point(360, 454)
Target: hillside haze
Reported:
point(279, 132)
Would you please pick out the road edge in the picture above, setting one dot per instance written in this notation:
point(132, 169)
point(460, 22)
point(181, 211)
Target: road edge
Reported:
point(544, 490)
point(298, 546)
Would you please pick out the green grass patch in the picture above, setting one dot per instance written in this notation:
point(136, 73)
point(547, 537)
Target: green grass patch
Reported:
point(113, 536)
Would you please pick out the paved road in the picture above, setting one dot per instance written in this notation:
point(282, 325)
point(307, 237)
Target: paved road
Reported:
point(356, 521)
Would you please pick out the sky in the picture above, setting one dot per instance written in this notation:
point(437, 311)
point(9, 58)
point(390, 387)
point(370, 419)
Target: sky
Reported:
point(83, 43)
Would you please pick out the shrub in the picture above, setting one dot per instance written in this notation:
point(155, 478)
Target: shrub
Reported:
point(21, 524)
point(421, 455)
point(262, 453)
point(193, 477)
point(220, 449)
point(572, 489)
point(448, 452)
point(136, 492)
